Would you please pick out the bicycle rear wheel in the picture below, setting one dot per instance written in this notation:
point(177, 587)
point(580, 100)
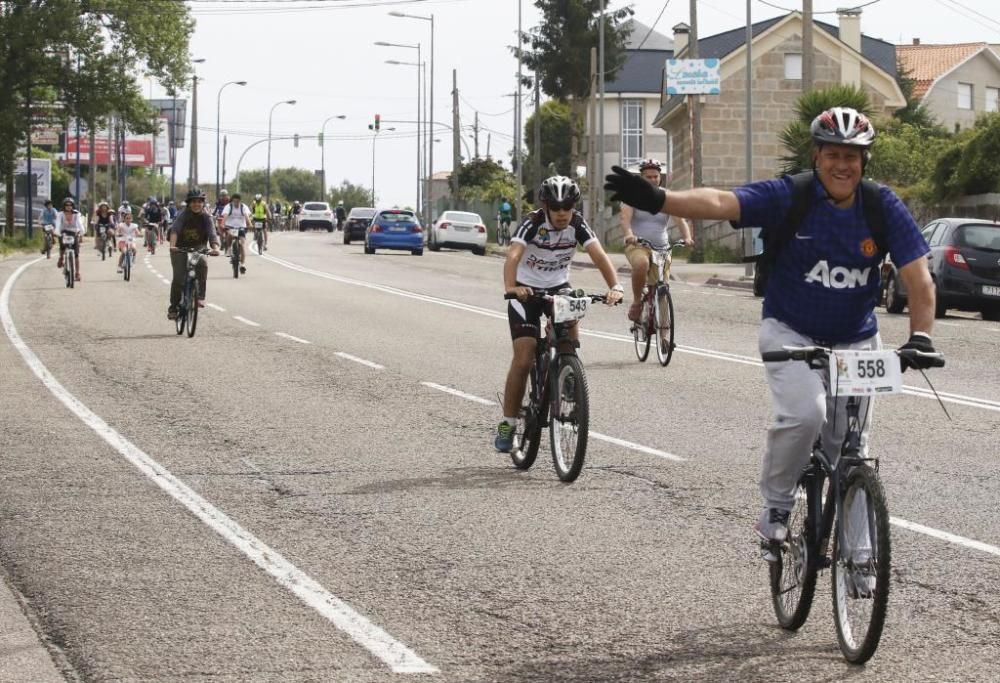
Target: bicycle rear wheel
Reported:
point(192, 311)
point(793, 571)
point(570, 418)
point(861, 566)
point(663, 304)
point(640, 332)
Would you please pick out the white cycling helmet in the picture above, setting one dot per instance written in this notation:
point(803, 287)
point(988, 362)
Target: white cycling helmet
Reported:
point(559, 190)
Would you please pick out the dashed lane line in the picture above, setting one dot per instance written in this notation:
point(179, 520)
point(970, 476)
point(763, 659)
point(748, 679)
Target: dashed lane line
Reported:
point(399, 657)
point(460, 394)
point(216, 307)
point(361, 361)
point(300, 340)
point(246, 321)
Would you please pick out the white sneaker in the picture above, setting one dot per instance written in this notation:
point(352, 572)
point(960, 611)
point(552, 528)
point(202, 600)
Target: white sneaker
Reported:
point(772, 525)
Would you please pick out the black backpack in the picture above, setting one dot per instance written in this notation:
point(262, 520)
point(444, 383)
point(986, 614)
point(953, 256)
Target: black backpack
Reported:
point(803, 199)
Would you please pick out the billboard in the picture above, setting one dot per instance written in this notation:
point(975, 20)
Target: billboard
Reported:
point(693, 77)
point(172, 110)
point(138, 150)
point(41, 172)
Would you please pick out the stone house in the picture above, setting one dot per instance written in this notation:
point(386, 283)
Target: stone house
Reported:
point(956, 82)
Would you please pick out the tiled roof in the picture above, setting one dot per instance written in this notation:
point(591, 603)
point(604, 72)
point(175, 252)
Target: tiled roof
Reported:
point(641, 72)
point(653, 40)
point(926, 63)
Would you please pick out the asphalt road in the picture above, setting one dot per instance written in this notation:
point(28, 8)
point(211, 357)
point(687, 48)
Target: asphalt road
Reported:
point(308, 491)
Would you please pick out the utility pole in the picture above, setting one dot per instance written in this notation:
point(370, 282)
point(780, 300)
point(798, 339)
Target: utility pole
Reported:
point(92, 171)
point(808, 61)
point(598, 217)
point(225, 147)
point(538, 137)
point(489, 139)
point(517, 125)
point(592, 172)
point(694, 102)
point(748, 118)
point(456, 160)
point(475, 131)
point(193, 162)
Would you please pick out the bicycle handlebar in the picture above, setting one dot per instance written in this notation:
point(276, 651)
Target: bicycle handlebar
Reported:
point(810, 353)
point(642, 242)
point(578, 293)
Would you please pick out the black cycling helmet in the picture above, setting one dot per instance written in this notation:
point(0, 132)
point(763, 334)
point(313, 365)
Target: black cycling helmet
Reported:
point(559, 191)
point(194, 193)
point(842, 126)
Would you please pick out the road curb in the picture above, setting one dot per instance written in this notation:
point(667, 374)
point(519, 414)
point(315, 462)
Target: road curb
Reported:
point(738, 284)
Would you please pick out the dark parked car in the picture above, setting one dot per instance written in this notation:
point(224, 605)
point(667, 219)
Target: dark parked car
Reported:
point(965, 266)
point(357, 223)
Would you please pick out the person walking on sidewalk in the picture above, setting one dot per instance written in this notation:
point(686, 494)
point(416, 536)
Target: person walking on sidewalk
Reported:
point(655, 229)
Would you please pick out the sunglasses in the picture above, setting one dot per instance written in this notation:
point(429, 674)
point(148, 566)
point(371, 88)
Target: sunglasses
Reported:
point(567, 205)
point(67, 207)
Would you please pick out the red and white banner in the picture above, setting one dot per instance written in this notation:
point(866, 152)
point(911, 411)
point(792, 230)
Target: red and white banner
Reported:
point(138, 151)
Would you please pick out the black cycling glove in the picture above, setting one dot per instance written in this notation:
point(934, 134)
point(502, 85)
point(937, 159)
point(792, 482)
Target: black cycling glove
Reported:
point(634, 190)
point(919, 341)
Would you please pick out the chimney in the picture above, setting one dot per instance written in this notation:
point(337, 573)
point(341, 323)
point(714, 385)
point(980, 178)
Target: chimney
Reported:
point(850, 27)
point(681, 32)
point(850, 35)
point(916, 41)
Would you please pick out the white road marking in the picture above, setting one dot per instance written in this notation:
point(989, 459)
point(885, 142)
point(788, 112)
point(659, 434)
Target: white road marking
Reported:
point(945, 536)
point(636, 447)
point(362, 361)
point(395, 654)
point(983, 404)
point(942, 322)
point(993, 329)
point(294, 339)
point(216, 307)
point(246, 321)
point(460, 394)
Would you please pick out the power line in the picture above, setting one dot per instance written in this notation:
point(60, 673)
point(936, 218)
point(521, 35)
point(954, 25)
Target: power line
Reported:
point(835, 11)
point(658, 17)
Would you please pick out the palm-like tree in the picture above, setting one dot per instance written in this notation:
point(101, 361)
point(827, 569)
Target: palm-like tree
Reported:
point(795, 137)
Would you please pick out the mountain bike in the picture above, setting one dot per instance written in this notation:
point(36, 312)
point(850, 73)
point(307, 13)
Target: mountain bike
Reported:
point(840, 501)
point(258, 235)
point(187, 310)
point(558, 397)
point(503, 231)
point(69, 258)
point(656, 321)
point(234, 250)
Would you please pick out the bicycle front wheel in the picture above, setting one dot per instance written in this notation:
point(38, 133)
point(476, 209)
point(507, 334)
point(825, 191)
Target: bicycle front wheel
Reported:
point(236, 258)
point(70, 268)
point(192, 309)
point(793, 570)
point(663, 305)
point(570, 418)
point(861, 565)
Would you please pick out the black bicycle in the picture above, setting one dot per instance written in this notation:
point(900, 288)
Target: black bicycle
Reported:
point(558, 397)
point(841, 502)
point(234, 251)
point(656, 319)
point(187, 311)
point(258, 235)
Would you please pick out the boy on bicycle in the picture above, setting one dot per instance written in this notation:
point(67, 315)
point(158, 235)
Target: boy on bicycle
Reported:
point(538, 260)
point(652, 227)
point(822, 289)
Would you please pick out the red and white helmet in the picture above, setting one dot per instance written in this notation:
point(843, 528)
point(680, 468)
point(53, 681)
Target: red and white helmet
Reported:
point(842, 126)
point(650, 163)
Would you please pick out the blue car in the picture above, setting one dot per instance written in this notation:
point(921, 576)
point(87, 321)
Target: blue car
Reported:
point(395, 229)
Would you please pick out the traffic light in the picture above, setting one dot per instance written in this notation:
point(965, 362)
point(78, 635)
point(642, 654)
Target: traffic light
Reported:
point(319, 139)
point(296, 139)
point(377, 121)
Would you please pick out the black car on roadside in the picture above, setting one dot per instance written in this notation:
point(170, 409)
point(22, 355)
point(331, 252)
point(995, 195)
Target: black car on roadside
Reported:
point(357, 223)
point(964, 264)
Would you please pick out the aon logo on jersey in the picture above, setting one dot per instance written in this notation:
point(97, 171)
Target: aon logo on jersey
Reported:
point(839, 277)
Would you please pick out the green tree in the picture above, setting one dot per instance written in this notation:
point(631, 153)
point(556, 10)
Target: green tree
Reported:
point(971, 165)
point(914, 113)
point(351, 194)
point(485, 180)
point(905, 154)
point(78, 58)
point(290, 184)
point(796, 138)
point(559, 49)
point(556, 133)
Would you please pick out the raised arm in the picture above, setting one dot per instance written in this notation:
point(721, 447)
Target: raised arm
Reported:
point(700, 202)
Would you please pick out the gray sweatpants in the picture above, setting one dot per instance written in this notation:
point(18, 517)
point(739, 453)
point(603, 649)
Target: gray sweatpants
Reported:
point(800, 409)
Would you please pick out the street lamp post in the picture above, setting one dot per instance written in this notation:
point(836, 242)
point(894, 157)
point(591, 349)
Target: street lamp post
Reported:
point(419, 66)
point(218, 125)
point(270, 116)
point(429, 126)
point(322, 154)
point(193, 159)
point(374, 137)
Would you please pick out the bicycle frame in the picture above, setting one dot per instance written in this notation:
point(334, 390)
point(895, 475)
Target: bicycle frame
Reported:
point(547, 351)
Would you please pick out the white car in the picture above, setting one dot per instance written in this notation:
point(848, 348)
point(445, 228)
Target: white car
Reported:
point(316, 215)
point(459, 230)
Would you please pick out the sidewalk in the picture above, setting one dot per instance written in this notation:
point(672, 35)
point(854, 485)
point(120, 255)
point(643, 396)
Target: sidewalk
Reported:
point(711, 274)
point(23, 656)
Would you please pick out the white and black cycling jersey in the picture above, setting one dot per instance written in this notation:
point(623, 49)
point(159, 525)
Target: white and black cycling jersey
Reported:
point(548, 252)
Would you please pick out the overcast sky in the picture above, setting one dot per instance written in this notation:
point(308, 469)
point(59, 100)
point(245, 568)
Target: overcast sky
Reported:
point(321, 53)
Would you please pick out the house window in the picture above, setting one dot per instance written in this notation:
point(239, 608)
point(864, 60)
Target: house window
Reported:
point(793, 66)
point(632, 128)
point(965, 95)
point(992, 99)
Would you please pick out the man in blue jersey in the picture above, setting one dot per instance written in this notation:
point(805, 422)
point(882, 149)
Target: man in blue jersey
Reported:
point(822, 288)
